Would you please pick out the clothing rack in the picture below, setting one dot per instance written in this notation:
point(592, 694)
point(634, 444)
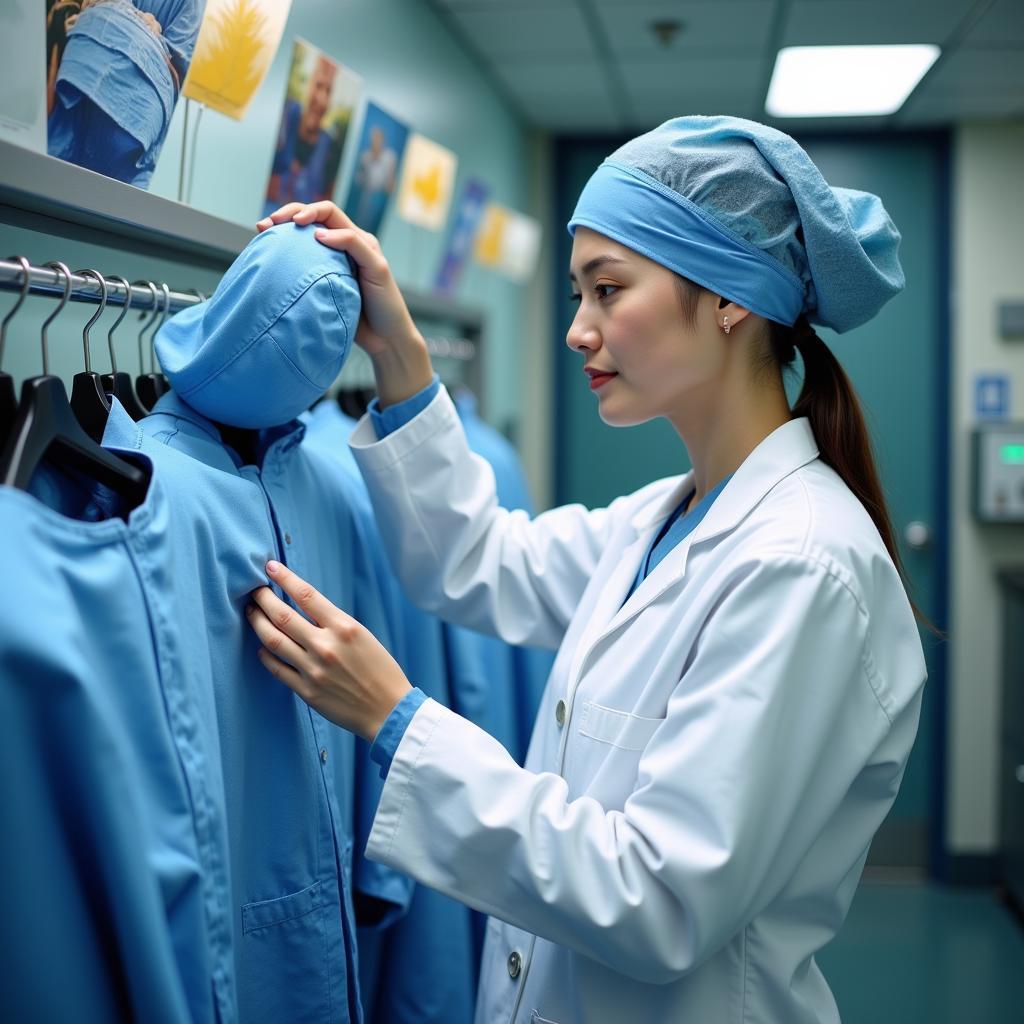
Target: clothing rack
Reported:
point(48, 281)
point(51, 282)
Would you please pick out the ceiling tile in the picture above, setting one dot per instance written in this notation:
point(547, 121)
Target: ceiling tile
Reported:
point(728, 25)
point(950, 108)
point(666, 76)
point(1002, 24)
point(570, 117)
point(561, 80)
point(505, 31)
point(864, 22)
point(976, 71)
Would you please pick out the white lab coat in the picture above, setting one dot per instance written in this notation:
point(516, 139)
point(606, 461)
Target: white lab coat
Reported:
point(710, 760)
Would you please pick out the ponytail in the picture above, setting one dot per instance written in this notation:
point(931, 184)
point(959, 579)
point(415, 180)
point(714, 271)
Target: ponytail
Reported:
point(829, 401)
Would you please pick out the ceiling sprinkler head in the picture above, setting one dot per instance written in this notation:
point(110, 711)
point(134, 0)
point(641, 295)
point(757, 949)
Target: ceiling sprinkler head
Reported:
point(666, 30)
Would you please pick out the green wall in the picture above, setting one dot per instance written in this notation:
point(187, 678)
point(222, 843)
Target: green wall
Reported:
point(412, 66)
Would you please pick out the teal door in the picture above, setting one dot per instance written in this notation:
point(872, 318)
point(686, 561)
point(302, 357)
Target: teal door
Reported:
point(899, 365)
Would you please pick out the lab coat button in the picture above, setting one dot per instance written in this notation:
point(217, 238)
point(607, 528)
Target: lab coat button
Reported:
point(323, 755)
point(515, 964)
point(560, 713)
point(287, 538)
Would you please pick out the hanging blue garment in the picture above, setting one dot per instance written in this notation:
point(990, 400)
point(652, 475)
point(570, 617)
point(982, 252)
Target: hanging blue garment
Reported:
point(114, 850)
point(288, 775)
point(530, 666)
point(423, 969)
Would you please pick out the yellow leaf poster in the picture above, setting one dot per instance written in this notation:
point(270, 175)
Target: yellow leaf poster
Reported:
point(237, 41)
point(508, 242)
point(491, 234)
point(425, 189)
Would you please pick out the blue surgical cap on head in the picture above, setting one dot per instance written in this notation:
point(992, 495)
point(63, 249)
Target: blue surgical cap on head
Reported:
point(271, 338)
point(740, 209)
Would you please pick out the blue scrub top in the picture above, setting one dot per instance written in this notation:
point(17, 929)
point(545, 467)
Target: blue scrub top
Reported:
point(423, 969)
point(289, 776)
point(116, 858)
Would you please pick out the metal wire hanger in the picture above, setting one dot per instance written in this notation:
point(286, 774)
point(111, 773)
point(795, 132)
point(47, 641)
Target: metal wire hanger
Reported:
point(88, 399)
point(119, 382)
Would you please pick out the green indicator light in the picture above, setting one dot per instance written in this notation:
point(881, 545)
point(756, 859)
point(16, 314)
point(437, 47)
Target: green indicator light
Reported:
point(1012, 454)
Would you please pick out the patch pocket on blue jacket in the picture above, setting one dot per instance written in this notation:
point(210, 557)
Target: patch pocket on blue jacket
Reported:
point(284, 961)
point(268, 913)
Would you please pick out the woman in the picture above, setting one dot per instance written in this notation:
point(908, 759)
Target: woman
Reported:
point(739, 674)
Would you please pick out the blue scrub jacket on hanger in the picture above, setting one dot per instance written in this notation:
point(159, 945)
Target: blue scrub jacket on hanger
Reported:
point(116, 854)
point(430, 959)
point(424, 968)
point(289, 776)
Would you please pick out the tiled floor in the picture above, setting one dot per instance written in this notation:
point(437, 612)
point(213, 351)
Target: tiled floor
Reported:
point(924, 954)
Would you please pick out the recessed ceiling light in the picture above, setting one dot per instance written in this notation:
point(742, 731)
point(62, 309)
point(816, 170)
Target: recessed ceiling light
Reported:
point(845, 81)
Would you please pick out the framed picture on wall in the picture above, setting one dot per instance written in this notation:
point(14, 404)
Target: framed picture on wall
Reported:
point(379, 155)
point(114, 72)
point(236, 44)
point(320, 98)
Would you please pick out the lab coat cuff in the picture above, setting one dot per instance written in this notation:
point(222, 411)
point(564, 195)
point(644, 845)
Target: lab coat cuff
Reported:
point(387, 421)
point(393, 797)
point(378, 455)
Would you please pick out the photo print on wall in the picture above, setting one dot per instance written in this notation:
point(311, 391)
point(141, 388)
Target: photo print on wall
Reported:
point(114, 72)
point(375, 177)
point(320, 99)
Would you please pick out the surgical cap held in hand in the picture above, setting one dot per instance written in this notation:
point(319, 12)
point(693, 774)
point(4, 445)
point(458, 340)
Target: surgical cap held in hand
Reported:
point(741, 209)
point(272, 337)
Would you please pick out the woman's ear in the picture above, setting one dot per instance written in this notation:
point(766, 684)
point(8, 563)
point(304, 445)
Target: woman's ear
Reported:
point(729, 314)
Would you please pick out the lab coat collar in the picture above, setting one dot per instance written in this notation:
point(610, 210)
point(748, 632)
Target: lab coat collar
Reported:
point(782, 452)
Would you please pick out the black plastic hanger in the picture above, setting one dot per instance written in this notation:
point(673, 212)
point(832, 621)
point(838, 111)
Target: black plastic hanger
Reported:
point(88, 399)
point(45, 428)
point(119, 383)
point(8, 397)
point(150, 386)
point(354, 402)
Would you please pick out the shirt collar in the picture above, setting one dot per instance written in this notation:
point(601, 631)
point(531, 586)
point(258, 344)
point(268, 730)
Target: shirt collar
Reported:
point(287, 435)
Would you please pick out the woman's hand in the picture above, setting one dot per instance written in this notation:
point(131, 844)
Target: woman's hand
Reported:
point(386, 329)
point(336, 665)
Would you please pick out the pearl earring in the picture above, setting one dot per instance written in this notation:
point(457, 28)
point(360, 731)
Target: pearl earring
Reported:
point(725, 324)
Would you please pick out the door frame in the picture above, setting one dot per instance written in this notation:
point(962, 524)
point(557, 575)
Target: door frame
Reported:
point(941, 864)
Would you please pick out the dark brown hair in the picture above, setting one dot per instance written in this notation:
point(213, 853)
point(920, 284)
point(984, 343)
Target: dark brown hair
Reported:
point(828, 399)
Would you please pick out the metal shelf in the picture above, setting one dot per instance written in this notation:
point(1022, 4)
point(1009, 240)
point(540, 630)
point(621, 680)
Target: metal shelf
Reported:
point(72, 201)
point(42, 193)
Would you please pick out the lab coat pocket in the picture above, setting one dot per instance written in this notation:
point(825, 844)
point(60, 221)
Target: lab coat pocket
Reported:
point(278, 933)
point(616, 728)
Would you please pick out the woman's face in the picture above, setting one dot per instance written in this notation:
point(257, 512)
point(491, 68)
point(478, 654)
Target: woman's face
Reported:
point(643, 361)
